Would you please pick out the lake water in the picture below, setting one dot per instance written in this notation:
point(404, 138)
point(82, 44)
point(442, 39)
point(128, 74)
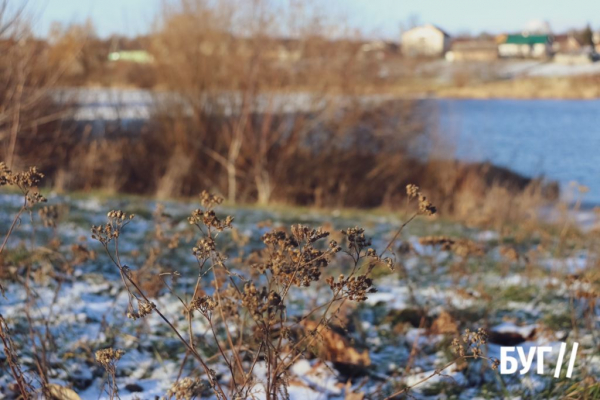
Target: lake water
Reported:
point(559, 139)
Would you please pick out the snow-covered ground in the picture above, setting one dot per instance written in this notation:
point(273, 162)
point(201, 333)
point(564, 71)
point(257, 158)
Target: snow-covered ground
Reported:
point(532, 301)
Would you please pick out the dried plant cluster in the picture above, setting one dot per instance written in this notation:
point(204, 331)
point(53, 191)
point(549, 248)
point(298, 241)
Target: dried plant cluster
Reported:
point(108, 358)
point(238, 297)
point(246, 303)
point(26, 182)
point(234, 303)
point(40, 341)
point(240, 328)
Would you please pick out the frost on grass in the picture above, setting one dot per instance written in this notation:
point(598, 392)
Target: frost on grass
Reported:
point(90, 299)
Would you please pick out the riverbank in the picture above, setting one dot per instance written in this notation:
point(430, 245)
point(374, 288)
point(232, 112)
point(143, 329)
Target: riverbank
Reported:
point(585, 87)
point(571, 88)
point(508, 79)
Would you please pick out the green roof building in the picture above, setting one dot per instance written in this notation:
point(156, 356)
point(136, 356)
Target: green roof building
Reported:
point(525, 46)
point(527, 39)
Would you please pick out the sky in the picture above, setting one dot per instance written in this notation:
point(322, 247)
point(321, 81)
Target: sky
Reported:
point(375, 18)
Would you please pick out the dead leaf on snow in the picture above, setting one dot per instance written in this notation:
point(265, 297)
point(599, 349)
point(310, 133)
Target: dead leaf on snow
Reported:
point(62, 393)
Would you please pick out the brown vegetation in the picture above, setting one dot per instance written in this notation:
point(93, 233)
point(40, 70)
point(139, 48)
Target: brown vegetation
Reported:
point(252, 116)
point(231, 123)
point(565, 87)
point(252, 294)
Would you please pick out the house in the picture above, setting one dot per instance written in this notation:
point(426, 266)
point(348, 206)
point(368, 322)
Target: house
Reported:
point(134, 56)
point(565, 44)
point(472, 50)
point(524, 46)
point(596, 41)
point(425, 41)
point(569, 50)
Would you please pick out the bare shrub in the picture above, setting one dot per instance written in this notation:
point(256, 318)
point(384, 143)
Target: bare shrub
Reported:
point(251, 108)
point(29, 116)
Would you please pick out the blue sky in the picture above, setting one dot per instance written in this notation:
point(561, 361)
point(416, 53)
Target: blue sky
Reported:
point(379, 18)
point(109, 16)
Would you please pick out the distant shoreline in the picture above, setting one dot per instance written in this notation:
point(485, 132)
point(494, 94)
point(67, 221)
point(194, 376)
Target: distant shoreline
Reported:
point(586, 87)
point(575, 87)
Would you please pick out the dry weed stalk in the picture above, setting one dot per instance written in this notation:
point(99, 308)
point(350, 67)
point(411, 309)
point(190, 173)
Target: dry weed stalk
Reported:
point(108, 358)
point(468, 346)
point(40, 266)
point(27, 183)
point(245, 302)
point(21, 381)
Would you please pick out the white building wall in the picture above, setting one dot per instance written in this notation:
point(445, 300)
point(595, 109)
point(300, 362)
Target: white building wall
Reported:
point(424, 41)
point(538, 50)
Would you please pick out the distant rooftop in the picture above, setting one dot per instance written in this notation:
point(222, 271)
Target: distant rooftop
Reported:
point(527, 39)
point(431, 26)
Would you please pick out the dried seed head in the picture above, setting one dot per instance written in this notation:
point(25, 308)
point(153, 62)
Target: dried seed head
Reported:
point(24, 180)
point(204, 304)
point(187, 389)
point(117, 220)
point(425, 206)
point(35, 198)
point(210, 219)
point(470, 343)
point(303, 233)
point(204, 248)
point(333, 245)
point(108, 357)
point(356, 238)
point(355, 288)
point(209, 200)
point(412, 191)
point(145, 308)
point(495, 364)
